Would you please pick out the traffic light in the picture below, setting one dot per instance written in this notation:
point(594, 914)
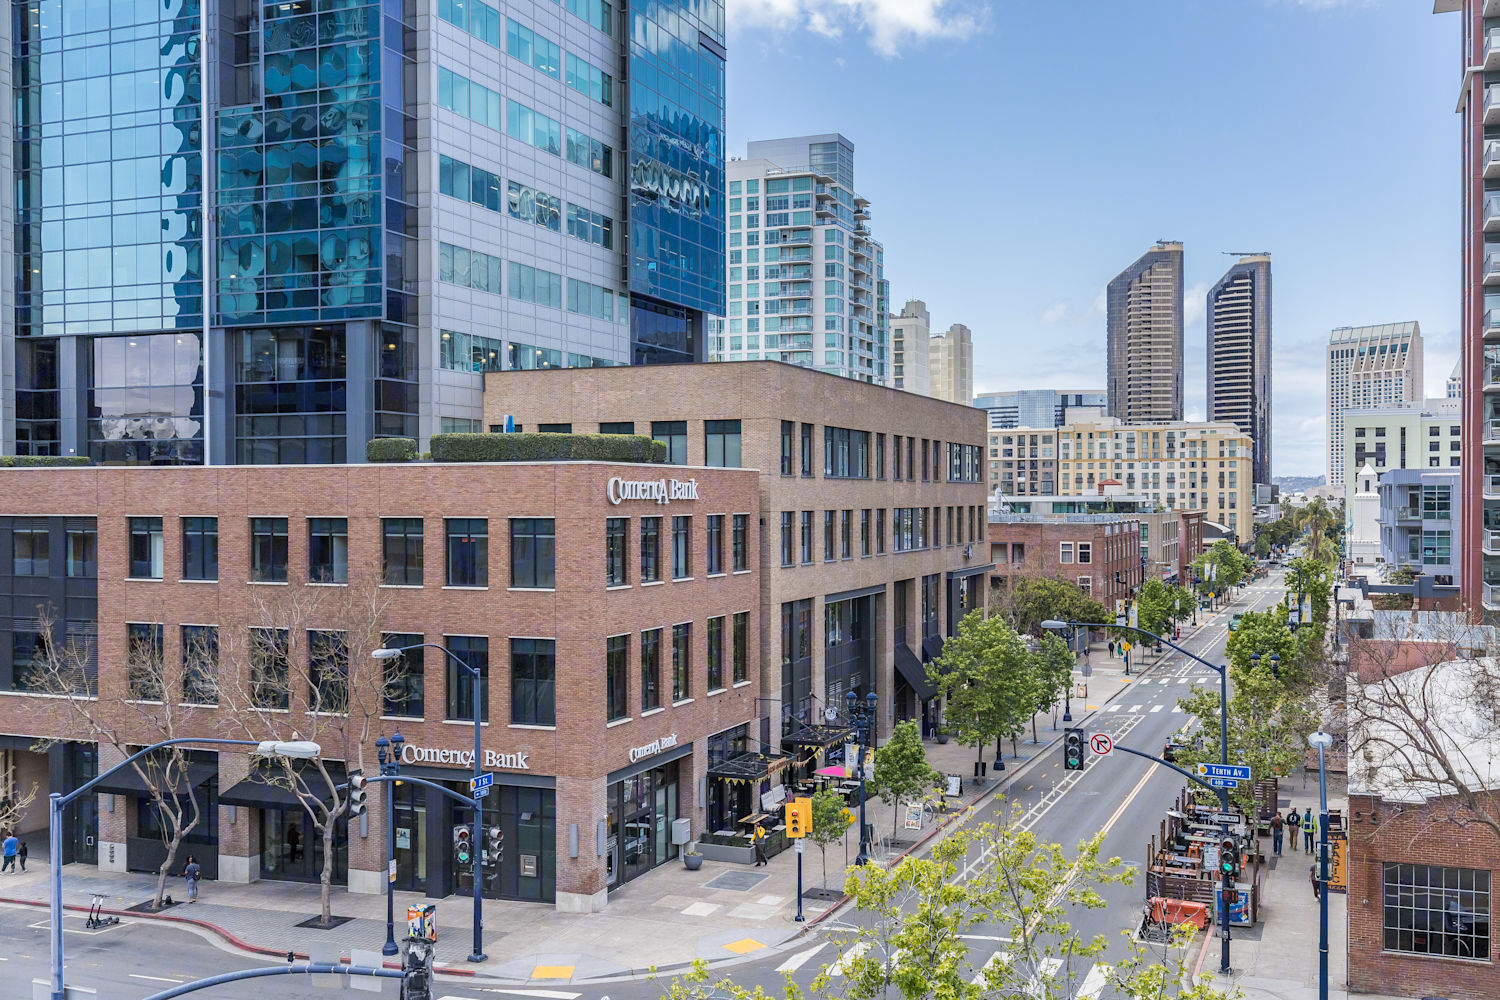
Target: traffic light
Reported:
point(1073, 750)
point(495, 845)
point(463, 845)
point(1229, 858)
point(798, 818)
point(359, 795)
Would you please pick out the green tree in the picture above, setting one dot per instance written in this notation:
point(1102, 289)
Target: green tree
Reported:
point(1156, 607)
point(1031, 600)
point(830, 822)
point(901, 770)
point(987, 680)
point(1054, 670)
point(1263, 632)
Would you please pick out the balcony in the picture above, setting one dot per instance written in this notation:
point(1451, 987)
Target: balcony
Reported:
point(1491, 273)
point(1491, 486)
point(1492, 596)
point(1492, 105)
point(1492, 325)
point(1492, 210)
point(1492, 158)
point(1492, 432)
point(1492, 49)
point(1491, 377)
point(1408, 514)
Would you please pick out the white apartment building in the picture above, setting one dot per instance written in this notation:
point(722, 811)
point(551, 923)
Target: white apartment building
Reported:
point(1369, 366)
point(1424, 437)
point(911, 348)
point(952, 359)
point(806, 280)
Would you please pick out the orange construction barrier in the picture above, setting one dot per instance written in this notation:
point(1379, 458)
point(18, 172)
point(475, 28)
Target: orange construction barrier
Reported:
point(1178, 911)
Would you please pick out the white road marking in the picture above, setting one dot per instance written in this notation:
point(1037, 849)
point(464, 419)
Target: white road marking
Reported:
point(1114, 708)
point(1180, 680)
point(984, 937)
point(848, 957)
point(798, 960)
point(1093, 984)
point(540, 994)
point(164, 979)
point(1203, 680)
point(1157, 708)
point(999, 956)
point(1176, 708)
point(1136, 708)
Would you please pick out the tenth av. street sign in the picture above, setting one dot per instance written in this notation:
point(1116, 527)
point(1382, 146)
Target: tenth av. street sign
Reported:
point(1240, 772)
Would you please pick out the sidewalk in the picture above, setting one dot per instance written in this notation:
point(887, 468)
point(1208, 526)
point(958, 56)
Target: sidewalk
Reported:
point(667, 918)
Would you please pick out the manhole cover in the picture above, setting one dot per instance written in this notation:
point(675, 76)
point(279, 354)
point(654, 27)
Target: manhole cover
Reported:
point(736, 881)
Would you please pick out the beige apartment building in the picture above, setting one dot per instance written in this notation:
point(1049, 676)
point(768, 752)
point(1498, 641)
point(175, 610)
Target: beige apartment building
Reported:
point(873, 522)
point(952, 359)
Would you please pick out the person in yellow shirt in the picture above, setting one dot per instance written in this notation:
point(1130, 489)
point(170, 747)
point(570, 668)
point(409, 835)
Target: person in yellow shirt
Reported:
point(758, 841)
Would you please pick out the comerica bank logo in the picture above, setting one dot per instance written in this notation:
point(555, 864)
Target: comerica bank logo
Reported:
point(653, 490)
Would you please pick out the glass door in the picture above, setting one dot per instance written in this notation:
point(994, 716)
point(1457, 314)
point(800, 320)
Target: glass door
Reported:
point(411, 838)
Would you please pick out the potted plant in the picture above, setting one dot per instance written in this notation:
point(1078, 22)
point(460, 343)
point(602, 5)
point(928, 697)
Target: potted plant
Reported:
point(942, 735)
point(692, 857)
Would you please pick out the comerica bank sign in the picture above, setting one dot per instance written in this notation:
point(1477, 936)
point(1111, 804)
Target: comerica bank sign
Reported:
point(652, 490)
point(464, 758)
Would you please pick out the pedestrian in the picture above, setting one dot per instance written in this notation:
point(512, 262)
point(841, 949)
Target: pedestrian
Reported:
point(1294, 820)
point(192, 873)
point(758, 841)
point(21, 854)
point(1312, 876)
point(11, 846)
point(1277, 824)
point(1308, 828)
point(1111, 647)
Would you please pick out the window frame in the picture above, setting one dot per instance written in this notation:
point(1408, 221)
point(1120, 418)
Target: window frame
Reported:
point(455, 558)
point(650, 561)
point(405, 537)
point(682, 546)
point(682, 662)
point(617, 552)
point(714, 545)
point(533, 690)
point(331, 533)
point(138, 529)
point(270, 549)
point(651, 669)
point(617, 688)
point(200, 548)
point(533, 553)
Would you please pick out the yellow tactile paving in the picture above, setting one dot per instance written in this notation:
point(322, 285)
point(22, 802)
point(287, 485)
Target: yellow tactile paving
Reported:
point(744, 946)
point(553, 972)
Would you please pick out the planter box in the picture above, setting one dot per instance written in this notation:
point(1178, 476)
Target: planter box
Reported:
point(733, 855)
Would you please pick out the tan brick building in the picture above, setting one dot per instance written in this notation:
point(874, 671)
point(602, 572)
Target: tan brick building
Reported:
point(873, 519)
point(617, 637)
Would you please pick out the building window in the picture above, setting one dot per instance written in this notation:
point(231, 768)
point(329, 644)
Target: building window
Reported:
point(270, 668)
point(807, 537)
point(200, 548)
point(401, 551)
point(722, 443)
point(83, 553)
point(30, 550)
point(1065, 552)
point(682, 547)
point(926, 461)
point(474, 651)
point(864, 532)
point(200, 664)
point(1085, 552)
point(715, 654)
point(673, 434)
point(650, 549)
point(405, 677)
point(616, 552)
point(715, 544)
point(828, 536)
point(740, 542)
point(682, 661)
point(616, 692)
point(846, 453)
point(846, 534)
point(268, 549)
point(879, 456)
point(787, 546)
point(468, 541)
point(533, 553)
point(741, 637)
point(533, 680)
point(788, 443)
point(650, 669)
point(1430, 910)
point(143, 662)
point(617, 427)
point(145, 548)
point(328, 550)
point(807, 450)
point(328, 672)
point(896, 456)
point(880, 531)
point(1086, 584)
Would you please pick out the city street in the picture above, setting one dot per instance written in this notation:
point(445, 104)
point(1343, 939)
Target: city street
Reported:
point(1121, 795)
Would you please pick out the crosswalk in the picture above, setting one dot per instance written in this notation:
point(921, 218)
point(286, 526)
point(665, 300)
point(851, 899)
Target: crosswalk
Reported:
point(1138, 709)
point(1087, 986)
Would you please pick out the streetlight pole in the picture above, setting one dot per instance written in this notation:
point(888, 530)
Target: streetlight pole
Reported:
point(1223, 672)
point(390, 769)
point(1322, 741)
point(58, 801)
point(862, 720)
point(477, 954)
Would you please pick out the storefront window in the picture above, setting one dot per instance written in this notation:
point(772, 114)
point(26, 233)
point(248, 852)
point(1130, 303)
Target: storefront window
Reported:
point(641, 810)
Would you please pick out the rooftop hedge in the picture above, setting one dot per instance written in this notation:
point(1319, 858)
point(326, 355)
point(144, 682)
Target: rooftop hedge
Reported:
point(391, 450)
point(546, 448)
point(38, 461)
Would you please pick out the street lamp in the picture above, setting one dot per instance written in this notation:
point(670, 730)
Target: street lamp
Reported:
point(57, 802)
point(1322, 741)
point(388, 752)
point(861, 720)
point(384, 653)
point(1054, 625)
point(1275, 663)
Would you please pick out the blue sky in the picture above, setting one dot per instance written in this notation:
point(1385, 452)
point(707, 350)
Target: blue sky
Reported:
point(1019, 155)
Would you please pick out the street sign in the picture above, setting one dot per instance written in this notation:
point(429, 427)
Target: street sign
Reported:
point(1240, 772)
point(1219, 818)
point(1222, 783)
point(393, 870)
point(1101, 744)
point(1211, 857)
point(482, 781)
point(482, 791)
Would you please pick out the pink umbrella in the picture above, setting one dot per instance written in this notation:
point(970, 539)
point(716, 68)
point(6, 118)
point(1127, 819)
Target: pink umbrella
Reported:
point(836, 771)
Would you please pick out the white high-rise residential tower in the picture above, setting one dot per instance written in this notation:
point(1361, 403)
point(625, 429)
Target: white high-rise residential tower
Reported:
point(952, 357)
point(1369, 366)
point(806, 280)
point(911, 348)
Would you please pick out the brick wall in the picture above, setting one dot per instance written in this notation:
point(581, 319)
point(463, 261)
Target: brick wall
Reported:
point(1115, 550)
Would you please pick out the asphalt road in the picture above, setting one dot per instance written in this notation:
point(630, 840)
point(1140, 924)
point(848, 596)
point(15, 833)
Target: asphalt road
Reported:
point(1122, 795)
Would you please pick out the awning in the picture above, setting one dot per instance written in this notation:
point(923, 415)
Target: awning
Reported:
point(932, 647)
point(914, 673)
point(127, 781)
point(749, 767)
point(819, 737)
point(256, 793)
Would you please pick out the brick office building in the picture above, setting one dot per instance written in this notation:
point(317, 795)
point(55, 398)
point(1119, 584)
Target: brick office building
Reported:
point(872, 499)
point(1101, 553)
point(617, 635)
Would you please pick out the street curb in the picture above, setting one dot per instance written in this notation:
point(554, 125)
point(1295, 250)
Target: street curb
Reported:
point(253, 949)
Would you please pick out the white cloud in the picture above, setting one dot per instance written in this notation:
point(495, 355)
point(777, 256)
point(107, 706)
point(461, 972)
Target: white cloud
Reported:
point(1055, 313)
point(1194, 304)
point(889, 24)
point(1101, 302)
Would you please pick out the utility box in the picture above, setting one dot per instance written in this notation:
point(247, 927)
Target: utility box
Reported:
point(682, 831)
point(421, 921)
